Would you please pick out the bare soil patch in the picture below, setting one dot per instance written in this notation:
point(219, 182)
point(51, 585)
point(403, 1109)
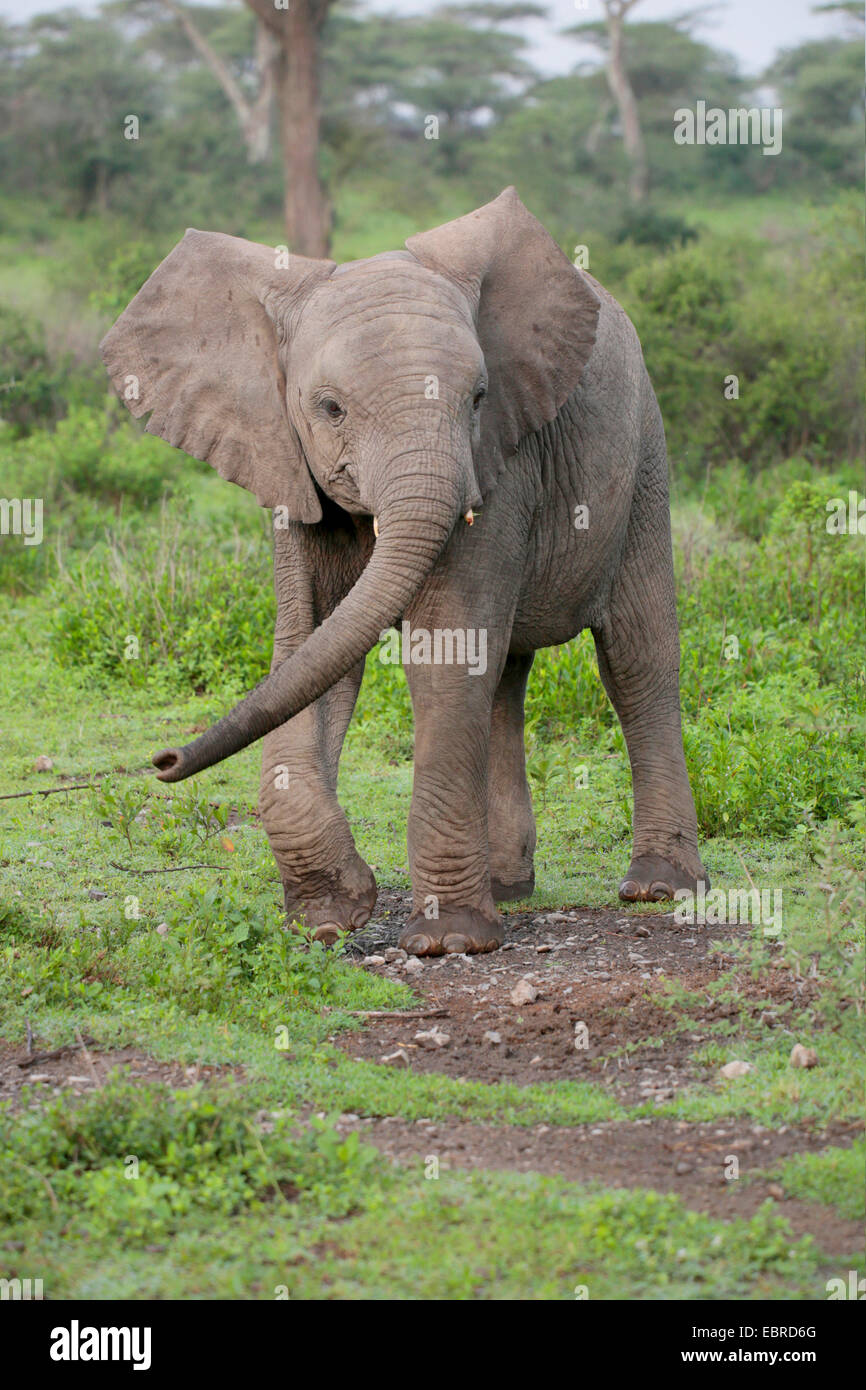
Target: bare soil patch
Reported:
point(77, 1074)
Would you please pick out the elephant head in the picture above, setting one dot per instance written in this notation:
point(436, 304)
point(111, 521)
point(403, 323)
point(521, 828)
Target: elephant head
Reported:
point(397, 387)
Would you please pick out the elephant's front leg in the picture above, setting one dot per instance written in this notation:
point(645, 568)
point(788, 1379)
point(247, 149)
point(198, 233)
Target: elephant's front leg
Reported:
point(323, 876)
point(453, 908)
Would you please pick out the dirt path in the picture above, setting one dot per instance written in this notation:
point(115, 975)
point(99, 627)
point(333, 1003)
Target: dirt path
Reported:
point(599, 977)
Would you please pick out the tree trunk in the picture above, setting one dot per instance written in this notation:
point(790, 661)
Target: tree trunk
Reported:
point(623, 95)
point(308, 220)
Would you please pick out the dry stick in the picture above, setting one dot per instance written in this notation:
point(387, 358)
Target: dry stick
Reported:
point(51, 1056)
point(29, 1036)
point(175, 869)
point(49, 791)
point(393, 1013)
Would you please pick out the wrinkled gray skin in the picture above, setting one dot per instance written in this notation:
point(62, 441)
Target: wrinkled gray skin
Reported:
point(313, 386)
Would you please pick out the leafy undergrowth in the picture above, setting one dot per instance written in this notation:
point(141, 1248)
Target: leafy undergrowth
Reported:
point(142, 1193)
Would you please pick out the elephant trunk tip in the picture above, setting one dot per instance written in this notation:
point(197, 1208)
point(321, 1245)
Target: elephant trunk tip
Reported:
point(169, 765)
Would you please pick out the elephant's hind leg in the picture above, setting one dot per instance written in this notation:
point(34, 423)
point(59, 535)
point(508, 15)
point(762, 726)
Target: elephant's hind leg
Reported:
point(638, 657)
point(511, 824)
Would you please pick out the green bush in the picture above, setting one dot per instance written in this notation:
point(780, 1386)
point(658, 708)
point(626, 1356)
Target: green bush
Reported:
point(786, 324)
point(94, 467)
point(172, 606)
point(28, 383)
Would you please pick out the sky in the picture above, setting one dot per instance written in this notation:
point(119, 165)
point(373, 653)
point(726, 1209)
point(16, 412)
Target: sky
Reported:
point(754, 30)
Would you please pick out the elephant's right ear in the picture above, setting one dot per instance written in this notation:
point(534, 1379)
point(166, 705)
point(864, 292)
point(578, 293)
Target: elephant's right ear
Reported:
point(197, 347)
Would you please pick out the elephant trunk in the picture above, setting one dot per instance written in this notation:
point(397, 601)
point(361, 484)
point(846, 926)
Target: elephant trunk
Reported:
point(415, 519)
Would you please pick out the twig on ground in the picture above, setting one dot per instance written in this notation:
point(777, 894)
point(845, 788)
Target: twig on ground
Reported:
point(390, 1013)
point(53, 1056)
point(49, 791)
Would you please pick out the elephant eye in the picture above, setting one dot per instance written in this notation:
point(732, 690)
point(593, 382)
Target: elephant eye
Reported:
point(478, 397)
point(333, 410)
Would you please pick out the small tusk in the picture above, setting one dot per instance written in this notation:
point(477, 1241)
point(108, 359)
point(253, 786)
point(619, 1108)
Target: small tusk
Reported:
point(469, 518)
point(375, 526)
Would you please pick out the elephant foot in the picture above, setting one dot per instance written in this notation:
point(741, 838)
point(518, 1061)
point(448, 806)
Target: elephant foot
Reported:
point(327, 915)
point(652, 879)
point(457, 930)
point(508, 892)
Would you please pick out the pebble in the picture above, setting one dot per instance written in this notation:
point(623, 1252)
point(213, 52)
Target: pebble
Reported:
point(641, 931)
point(395, 953)
point(803, 1056)
point(683, 1167)
point(43, 763)
point(432, 1037)
point(524, 992)
point(162, 928)
point(96, 894)
point(735, 1069)
point(373, 960)
point(40, 1078)
point(491, 1036)
point(412, 966)
point(399, 1059)
point(776, 1191)
point(536, 1061)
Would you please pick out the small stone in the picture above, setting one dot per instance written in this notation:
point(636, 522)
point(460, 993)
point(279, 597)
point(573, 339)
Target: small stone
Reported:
point(803, 1056)
point(556, 917)
point(412, 966)
point(491, 1036)
point(400, 1058)
point(78, 1081)
point(641, 930)
point(432, 1037)
point(40, 1078)
point(731, 1070)
point(776, 1192)
point(373, 960)
point(43, 763)
point(524, 992)
point(395, 953)
point(536, 1062)
point(162, 928)
point(683, 1167)
point(96, 894)
point(542, 950)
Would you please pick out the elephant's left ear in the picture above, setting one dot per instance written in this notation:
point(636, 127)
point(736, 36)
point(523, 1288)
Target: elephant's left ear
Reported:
point(535, 312)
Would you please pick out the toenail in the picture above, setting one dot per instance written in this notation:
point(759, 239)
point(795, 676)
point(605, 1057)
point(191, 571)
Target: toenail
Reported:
point(455, 944)
point(418, 945)
point(629, 890)
point(660, 890)
point(327, 933)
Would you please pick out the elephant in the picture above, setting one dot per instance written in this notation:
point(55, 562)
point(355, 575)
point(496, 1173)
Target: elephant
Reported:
point(461, 436)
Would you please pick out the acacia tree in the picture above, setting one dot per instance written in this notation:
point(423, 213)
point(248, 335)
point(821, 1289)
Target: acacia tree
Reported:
point(622, 91)
point(254, 115)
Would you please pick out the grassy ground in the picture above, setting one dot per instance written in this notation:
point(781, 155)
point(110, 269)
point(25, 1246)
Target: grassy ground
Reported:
point(277, 1205)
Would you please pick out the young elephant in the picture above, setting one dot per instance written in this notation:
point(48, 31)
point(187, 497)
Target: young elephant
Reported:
point(375, 406)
